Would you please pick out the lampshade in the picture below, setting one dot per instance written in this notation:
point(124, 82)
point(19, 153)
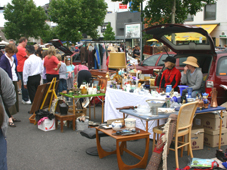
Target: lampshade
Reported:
point(117, 60)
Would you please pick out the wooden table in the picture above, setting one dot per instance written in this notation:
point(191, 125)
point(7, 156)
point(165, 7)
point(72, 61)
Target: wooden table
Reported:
point(123, 147)
point(74, 97)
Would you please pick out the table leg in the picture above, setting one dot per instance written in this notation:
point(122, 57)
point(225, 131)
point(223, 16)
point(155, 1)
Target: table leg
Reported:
point(89, 110)
point(61, 125)
point(146, 126)
point(74, 123)
point(74, 107)
point(102, 153)
point(102, 108)
point(94, 110)
point(219, 144)
point(141, 164)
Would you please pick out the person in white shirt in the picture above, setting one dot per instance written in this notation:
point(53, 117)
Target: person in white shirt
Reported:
point(32, 71)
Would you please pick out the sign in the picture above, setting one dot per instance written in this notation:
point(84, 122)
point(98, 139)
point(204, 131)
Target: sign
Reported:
point(222, 35)
point(122, 6)
point(132, 31)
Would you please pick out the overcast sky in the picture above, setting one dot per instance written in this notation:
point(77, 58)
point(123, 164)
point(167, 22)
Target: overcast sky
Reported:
point(112, 6)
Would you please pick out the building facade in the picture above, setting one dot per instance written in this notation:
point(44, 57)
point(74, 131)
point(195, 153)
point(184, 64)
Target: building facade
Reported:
point(215, 16)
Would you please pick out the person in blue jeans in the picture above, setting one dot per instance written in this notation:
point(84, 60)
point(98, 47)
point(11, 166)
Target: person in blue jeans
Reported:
point(62, 86)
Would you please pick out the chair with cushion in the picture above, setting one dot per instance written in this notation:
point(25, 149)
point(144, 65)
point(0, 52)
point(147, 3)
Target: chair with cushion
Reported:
point(183, 127)
point(90, 133)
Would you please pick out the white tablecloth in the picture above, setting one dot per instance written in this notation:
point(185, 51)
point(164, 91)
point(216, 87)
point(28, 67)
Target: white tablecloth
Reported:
point(118, 98)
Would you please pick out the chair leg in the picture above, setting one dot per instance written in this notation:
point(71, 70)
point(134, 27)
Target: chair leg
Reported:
point(182, 149)
point(190, 143)
point(153, 146)
point(176, 152)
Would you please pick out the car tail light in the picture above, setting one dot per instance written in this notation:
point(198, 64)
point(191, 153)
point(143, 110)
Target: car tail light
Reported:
point(209, 84)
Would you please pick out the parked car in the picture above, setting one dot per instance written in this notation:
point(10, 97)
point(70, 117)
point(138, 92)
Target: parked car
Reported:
point(66, 51)
point(212, 63)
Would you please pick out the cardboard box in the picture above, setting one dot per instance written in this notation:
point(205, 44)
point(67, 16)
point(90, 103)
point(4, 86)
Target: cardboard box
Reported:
point(211, 137)
point(209, 121)
point(47, 125)
point(197, 138)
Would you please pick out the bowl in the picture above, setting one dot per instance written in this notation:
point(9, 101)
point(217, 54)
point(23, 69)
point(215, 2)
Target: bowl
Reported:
point(130, 122)
point(116, 125)
point(155, 102)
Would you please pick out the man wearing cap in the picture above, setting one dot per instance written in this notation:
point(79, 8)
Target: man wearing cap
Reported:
point(171, 76)
point(192, 75)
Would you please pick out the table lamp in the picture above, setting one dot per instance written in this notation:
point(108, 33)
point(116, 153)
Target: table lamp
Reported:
point(117, 60)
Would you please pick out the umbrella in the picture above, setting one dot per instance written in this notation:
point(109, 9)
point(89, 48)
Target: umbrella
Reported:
point(152, 40)
point(4, 43)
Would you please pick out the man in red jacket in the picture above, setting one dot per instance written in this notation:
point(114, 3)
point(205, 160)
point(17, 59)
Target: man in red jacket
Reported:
point(171, 76)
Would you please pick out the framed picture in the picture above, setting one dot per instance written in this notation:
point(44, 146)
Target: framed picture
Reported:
point(103, 84)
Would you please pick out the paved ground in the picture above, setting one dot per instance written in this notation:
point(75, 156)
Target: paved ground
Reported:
point(32, 149)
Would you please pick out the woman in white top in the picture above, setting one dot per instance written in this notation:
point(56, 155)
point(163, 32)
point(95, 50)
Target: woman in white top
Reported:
point(7, 63)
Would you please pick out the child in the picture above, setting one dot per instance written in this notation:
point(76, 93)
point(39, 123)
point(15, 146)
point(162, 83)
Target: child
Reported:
point(70, 73)
point(62, 86)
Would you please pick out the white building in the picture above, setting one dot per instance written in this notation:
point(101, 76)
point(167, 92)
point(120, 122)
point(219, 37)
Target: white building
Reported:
point(214, 18)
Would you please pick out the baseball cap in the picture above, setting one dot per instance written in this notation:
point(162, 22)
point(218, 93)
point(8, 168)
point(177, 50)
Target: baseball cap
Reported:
point(170, 59)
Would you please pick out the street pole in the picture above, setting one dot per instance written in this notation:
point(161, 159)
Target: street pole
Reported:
point(141, 35)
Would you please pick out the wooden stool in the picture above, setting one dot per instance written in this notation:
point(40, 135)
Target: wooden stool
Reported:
point(68, 117)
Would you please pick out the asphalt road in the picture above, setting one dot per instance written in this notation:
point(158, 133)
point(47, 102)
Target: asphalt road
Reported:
point(32, 149)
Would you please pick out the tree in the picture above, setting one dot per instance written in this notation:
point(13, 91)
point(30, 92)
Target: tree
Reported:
point(24, 19)
point(165, 11)
point(49, 34)
point(75, 17)
point(109, 34)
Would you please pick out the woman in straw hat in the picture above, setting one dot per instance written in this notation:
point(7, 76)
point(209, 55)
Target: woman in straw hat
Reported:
point(192, 75)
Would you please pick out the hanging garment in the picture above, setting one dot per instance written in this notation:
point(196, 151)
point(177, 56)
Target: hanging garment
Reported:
point(82, 54)
point(91, 58)
point(104, 58)
point(98, 57)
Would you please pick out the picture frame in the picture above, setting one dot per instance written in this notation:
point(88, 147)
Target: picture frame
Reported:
point(96, 82)
point(103, 84)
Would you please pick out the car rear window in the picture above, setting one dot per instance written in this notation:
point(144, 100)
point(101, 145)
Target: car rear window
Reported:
point(222, 65)
point(181, 60)
point(163, 57)
point(150, 61)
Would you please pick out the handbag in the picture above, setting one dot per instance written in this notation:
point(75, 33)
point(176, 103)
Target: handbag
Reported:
point(63, 108)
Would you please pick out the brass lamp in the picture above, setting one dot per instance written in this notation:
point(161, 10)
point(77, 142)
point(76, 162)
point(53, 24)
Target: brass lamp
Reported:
point(117, 60)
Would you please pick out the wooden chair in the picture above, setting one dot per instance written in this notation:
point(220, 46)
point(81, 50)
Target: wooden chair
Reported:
point(183, 127)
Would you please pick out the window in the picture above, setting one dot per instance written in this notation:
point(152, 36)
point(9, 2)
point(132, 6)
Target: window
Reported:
point(151, 60)
point(221, 68)
point(103, 27)
point(189, 18)
point(163, 57)
point(210, 12)
point(181, 60)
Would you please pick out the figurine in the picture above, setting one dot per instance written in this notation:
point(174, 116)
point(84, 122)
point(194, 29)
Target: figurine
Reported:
point(205, 100)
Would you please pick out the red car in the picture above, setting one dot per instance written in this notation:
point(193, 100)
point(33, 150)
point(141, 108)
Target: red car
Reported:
point(66, 51)
point(212, 63)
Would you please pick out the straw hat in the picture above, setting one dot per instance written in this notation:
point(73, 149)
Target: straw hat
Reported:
point(191, 61)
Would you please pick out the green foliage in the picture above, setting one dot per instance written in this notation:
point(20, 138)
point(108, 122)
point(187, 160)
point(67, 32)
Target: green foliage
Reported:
point(75, 17)
point(109, 34)
point(49, 33)
point(24, 19)
point(160, 11)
